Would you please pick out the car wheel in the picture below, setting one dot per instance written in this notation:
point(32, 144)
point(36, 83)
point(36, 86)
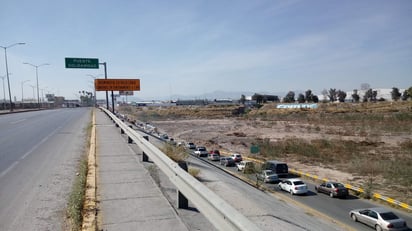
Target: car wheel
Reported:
point(331, 194)
point(353, 216)
point(378, 228)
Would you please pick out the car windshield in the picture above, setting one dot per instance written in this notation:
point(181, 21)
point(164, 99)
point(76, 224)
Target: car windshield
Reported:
point(201, 149)
point(389, 216)
point(298, 183)
point(338, 185)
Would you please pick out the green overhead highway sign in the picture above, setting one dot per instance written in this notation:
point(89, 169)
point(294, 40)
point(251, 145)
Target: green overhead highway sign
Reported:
point(85, 63)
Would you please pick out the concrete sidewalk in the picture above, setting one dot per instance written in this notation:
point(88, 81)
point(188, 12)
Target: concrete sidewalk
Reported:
point(128, 197)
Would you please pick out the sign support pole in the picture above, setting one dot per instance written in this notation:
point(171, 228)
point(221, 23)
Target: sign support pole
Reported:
point(107, 95)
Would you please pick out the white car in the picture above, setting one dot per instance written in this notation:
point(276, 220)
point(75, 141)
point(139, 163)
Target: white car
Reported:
point(201, 151)
point(293, 186)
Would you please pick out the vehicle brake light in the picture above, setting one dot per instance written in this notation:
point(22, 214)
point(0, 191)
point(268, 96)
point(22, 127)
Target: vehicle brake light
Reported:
point(390, 226)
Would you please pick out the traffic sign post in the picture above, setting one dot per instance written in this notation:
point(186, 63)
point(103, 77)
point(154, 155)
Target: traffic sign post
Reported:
point(83, 63)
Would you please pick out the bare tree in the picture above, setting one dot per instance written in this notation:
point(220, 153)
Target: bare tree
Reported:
point(332, 94)
point(355, 96)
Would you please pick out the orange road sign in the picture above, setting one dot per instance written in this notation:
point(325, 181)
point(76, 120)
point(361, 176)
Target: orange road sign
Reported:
point(117, 84)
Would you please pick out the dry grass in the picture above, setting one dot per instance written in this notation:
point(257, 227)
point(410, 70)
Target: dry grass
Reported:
point(175, 153)
point(372, 141)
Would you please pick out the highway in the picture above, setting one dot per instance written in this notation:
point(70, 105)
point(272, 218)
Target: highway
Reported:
point(335, 208)
point(39, 155)
point(268, 211)
point(229, 187)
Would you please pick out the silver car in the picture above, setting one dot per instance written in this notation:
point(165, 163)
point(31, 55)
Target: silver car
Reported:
point(268, 176)
point(378, 218)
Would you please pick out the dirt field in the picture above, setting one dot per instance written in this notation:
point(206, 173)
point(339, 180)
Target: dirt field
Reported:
point(367, 145)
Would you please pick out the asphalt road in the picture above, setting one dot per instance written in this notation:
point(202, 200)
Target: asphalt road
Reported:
point(264, 209)
point(267, 211)
point(335, 208)
point(39, 155)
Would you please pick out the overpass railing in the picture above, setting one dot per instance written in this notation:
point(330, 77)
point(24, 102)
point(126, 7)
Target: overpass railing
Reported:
point(222, 215)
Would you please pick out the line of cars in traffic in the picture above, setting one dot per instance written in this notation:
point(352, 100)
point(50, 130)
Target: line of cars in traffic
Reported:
point(271, 172)
point(277, 172)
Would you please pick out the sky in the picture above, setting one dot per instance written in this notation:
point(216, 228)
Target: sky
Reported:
point(194, 47)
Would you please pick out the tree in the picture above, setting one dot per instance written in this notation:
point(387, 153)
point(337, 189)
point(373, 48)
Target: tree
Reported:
point(407, 94)
point(396, 95)
point(290, 97)
point(309, 96)
point(332, 94)
point(374, 95)
point(355, 96)
point(242, 99)
point(301, 98)
point(315, 99)
point(370, 96)
point(341, 96)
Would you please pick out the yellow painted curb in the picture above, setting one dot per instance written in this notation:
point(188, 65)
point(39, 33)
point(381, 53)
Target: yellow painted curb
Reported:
point(89, 206)
point(280, 196)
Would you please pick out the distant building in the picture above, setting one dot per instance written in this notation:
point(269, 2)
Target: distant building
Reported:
point(297, 105)
point(192, 102)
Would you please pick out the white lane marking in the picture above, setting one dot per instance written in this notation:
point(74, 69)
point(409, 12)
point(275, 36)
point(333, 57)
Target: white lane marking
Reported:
point(39, 143)
point(17, 121)
point(29, 152)
point(8, 169)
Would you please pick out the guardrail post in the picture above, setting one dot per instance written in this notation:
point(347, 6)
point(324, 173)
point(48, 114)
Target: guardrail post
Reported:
point(145, 157)
point(182, 201)
point(117, 125)
point(129, 140)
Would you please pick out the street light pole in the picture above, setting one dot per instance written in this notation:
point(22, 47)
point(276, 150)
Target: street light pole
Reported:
point(4, 92)
point(22, 99)
point(37, 79)
point(7, 69)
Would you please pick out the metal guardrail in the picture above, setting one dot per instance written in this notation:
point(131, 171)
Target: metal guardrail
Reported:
point(222, 215)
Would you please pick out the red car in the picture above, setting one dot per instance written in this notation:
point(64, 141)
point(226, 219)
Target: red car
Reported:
point(215, 152)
